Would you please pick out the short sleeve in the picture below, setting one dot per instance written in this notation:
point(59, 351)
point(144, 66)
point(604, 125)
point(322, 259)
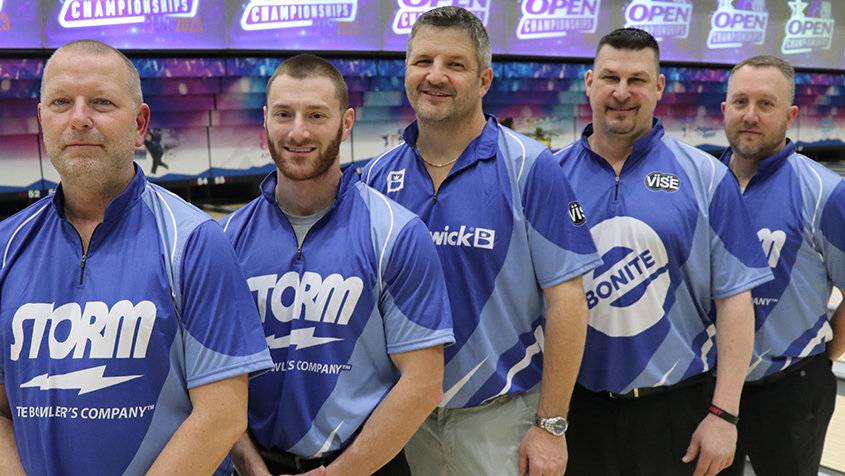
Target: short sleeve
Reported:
point(223, 333)
point(559, 235)
point(737, 261)
point(833, 235)
point(415, 302)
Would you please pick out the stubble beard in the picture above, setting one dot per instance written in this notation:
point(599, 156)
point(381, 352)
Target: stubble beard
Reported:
point(763, 150)
point(97, 170)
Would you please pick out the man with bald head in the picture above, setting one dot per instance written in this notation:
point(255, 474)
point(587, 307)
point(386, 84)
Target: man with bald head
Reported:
point(116, 358)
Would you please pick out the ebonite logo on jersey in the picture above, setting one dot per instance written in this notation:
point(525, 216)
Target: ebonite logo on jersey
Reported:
point(395, 181)
point(657, 181)
point(625, 296)
point(122, 332)
point(410, 10)
point(772, 242)
point(470, 237)
point(804, 33)
point(272, 14)
point(661, 18)
point(576, 214)
point(735, 27)
point(83, 13)
point(553, 18)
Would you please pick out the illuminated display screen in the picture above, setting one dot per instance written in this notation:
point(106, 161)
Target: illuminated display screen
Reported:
point(136, 24)
point(20, 26)
point(807, 33)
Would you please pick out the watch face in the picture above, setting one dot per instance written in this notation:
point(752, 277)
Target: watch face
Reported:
point(559, 426)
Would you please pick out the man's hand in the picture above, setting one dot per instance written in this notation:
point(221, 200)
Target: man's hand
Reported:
point(714, 441)
point(542, 454)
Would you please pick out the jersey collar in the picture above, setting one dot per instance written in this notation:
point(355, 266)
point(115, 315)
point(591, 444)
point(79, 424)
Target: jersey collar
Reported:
point(767, 166)
point(642, 146)
point(119, 205)
point(348, 179)
point(483, 147)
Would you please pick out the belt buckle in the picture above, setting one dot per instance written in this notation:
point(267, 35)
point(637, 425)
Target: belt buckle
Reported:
point(297, 461)
point(635, 393)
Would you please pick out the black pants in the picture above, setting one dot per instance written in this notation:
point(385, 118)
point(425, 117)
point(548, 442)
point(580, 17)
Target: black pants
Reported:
point(398, 466)
point(646, 436)
point(782, 425)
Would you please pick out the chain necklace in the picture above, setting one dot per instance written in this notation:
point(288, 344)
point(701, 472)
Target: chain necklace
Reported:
point(439, 166)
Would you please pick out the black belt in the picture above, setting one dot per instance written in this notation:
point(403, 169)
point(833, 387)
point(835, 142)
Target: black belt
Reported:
point(781, 374)
point(283, 458)
point(650, 391)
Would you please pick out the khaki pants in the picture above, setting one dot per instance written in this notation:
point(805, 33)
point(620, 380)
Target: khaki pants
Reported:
point(474, 441)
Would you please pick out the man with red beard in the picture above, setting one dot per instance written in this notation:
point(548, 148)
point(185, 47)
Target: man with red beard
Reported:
point(350, 290)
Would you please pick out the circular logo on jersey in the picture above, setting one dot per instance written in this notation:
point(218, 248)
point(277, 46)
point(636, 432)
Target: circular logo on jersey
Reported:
point(576, 214)
point(625, 295)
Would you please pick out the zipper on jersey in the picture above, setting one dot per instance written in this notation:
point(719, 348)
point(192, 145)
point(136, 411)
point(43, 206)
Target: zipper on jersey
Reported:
point(616, 193)
point(84, 253)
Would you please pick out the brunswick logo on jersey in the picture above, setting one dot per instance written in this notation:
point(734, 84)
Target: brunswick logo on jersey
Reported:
point(84, 13)
point(661, 18)
point(273, 14)
point(410, 10)
point(470, 237)
point(122, 332)
point(395, 181)
point(804, 33)
point(625, 295)
point(735, 27)
point(553, 18)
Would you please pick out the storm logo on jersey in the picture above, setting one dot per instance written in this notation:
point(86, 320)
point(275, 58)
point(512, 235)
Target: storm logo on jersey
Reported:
point(332, 300)
point(111, 333)
point(625, 296)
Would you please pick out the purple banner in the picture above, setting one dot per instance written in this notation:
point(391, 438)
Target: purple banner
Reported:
point(20, 26)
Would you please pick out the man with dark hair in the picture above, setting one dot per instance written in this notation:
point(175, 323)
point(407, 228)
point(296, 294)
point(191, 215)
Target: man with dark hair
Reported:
point(493, 201)
point(798, 208)
point(680, 258)
point(127, 326)
point(350, 291)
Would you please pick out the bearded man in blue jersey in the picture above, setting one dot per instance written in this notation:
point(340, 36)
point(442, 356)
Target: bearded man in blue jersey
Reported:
point(126, 324)
point(680, 258)
point(350, 291)
point(513, 244)
point(798, 208)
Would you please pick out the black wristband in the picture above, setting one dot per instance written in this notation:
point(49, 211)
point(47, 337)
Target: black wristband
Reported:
point(733, 419)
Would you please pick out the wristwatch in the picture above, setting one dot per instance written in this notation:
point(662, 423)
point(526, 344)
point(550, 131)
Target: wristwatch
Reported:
point(556, 425)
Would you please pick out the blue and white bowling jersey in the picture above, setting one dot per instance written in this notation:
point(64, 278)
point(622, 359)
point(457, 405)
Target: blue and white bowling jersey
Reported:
point(98, 353)
point(366, 283)
point(798, 209)
point(506, 225)
point(674, 235)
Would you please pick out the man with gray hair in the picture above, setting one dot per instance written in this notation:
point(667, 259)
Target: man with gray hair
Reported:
point(797, 207)
point(127, 325)
point(495, 204)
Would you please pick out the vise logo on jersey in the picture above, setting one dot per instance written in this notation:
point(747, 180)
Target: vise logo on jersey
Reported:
point(121, 332)
point(576, 214)
point(625, 296)
point(395, 181)
point(657, 181)
point(331, 300)
point(471, 237)
point(772, 242)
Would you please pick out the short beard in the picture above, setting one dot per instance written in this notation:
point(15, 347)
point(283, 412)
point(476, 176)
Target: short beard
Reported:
point(319, 168)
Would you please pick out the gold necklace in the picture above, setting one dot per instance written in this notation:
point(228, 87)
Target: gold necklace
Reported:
point(440, 165)
point(431, 164)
